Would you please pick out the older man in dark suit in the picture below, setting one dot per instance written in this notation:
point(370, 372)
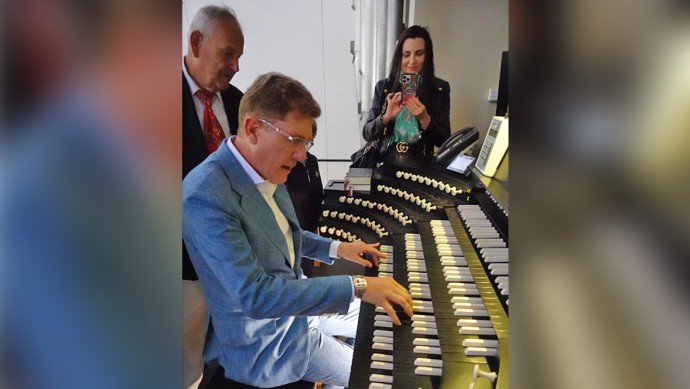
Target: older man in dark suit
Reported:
point(209, 114)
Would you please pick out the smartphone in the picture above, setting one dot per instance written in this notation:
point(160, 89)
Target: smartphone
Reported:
point(409, 86)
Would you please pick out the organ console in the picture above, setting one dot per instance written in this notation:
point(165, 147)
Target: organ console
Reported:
point(446, 236)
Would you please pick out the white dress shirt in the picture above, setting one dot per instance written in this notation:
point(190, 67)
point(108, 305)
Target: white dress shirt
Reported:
point(267, 189)
point(216, 104)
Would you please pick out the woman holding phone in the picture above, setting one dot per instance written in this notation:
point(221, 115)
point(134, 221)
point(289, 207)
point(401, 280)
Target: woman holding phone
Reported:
point(411, 108)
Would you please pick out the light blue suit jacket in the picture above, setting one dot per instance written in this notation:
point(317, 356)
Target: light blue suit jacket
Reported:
point(258, 304)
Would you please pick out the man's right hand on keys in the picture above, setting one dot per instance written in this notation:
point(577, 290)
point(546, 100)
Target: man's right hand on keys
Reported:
point(386, 292)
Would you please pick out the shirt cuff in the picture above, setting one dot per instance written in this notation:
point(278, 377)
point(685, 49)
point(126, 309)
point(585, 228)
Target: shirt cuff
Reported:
point(333, 250)
point(352, 282)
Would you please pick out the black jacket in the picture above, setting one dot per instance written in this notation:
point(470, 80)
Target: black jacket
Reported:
point(306, 192)
point(194, 149)
point(435, 134)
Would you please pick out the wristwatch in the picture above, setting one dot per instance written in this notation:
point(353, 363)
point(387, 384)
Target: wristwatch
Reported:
point(360, 285)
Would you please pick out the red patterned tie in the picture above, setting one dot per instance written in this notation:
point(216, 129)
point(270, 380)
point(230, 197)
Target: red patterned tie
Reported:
point(213, 132)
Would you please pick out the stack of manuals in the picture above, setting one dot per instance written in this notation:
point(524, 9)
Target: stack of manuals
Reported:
point(358, 179)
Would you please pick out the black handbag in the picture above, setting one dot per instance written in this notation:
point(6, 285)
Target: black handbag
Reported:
point(371, 154)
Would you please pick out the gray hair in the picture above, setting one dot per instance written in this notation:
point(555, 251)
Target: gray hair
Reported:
point(205, 18)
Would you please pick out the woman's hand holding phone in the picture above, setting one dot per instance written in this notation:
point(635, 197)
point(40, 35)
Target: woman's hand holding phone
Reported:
point(393, 107)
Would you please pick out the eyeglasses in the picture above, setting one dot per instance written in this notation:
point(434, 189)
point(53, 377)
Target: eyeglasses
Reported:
point(295, 141)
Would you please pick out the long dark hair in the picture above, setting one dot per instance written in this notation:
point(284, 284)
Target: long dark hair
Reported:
point(428, 73)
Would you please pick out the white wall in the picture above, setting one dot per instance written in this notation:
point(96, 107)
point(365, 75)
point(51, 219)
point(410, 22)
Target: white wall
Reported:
point(468, 36)
point(308, 40)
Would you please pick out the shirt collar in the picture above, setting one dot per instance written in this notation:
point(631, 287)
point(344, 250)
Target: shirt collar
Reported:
point(193, 87)
point(264, 186)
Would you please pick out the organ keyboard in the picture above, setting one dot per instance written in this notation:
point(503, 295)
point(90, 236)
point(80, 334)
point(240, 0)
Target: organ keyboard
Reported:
point(447, 244)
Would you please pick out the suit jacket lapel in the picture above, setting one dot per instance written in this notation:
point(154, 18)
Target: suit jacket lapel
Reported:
point(251, 200)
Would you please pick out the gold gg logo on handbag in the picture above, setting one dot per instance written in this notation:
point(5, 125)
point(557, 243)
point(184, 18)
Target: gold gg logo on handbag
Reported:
point(402, 147)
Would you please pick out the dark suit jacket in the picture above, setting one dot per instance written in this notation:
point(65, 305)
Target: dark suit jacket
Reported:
point(194, 144)
point(306, 192)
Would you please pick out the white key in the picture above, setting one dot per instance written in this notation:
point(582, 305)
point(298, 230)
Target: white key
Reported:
point(490, 250)
point(448, 246)
point(428, 371)
point(417, 269)
point(477, 331)
point(414, 254)
point(379, 310)
point(426, 342)
point(496, 259)
point(382, 318)
point(382, 339)
point(423, 289)
point(485, 235)
point(383, 324)
point(446, 252)
point(427, 350)
point(382, 357)
point(462, 285)
point(386, 248)
point(464, 305)
point(424, 324)
point(463, 292)
point(499, 272)
point(422, 309)
point(381, 365)
point(468, 207)
point(493, 266)
point(456, 270)
point(386, 333)
point(480, 352)
point(382, 346)
point(425, 331)
point(474, 323)
point(455, 261)
point(502, 279)
point(420, 295)
point(458, 278)
point(380, 385)
point(482, 228)
point(385, 274)
point(465, 299)
point(428, 318)
point(418, 277)
point(428, 362)
point(478, 223)
point(471, 313)
point(490, 243)
point(386, 379)
point(480, 343)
